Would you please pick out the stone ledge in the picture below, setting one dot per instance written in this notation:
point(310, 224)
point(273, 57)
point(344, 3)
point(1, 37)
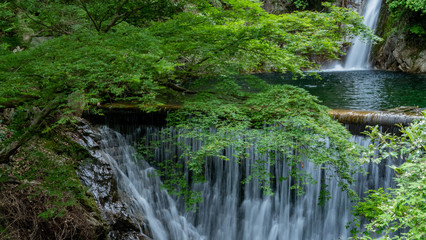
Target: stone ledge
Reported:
point(401, 115)
point(374, 117)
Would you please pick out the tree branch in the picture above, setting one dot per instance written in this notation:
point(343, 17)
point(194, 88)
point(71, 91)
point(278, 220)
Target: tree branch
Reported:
point(11, 149)
point(45, 25)
point(117, 16)
point(83, 5)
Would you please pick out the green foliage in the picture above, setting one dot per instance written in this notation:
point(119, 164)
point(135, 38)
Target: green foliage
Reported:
point(48, 18)
point(6, 18)
point(284, 123)
point(411, 15)
point(132, 62)
point(57, 180)
point(247, 39)
point(395, 6)
point(417, 29)
point(68, 16)
point(109, 51)
point(101, 58)
point(49, 166)
point(108, 71)
point(300, 4)
point(8, 28)
point(402, 208)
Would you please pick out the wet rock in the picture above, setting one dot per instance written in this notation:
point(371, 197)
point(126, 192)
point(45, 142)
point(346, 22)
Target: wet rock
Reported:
point(98, 176)
point(397, 55)
point(421, 62)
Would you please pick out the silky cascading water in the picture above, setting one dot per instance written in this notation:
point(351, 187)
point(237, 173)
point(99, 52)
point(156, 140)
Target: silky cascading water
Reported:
point(230, 209)
point(359, 52)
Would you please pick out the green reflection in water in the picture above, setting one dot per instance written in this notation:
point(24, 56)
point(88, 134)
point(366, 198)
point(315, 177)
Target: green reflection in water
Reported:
point(362, 90)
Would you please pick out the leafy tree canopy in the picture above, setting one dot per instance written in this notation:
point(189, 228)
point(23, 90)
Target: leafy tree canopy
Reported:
point(283, 123)
point(140, 50)
point(402, 208)
point(412, 5)
point(109, 59)
point(412, 12)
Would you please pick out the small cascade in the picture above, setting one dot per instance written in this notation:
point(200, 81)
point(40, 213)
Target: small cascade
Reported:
point(231, 210)
point(359, 52)
point(143, 195)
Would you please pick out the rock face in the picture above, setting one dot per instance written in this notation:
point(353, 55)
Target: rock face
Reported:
point(97, 175)
point(397, 55)
point(421, 62)
point(397, 52)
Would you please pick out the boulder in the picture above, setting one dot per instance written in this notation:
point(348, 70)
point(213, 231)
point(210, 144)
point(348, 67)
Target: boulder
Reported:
point(396, 55)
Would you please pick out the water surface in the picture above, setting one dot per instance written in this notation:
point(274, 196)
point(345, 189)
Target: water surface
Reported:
point(361, 90)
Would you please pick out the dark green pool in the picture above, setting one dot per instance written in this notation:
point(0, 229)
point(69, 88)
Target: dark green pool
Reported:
point(362, 90)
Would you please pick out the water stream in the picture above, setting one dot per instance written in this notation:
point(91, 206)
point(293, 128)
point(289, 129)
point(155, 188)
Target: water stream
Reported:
point(136, 179)
point(231, 210)
point(234, 211)
point(359, 52)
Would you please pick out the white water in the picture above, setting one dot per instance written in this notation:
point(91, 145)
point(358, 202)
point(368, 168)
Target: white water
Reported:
point(137, 179)
point(229, 209)
point(359, 52)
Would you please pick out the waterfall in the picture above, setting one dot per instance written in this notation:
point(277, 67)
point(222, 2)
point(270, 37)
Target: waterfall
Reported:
point(359, 52)
point(136, 178)
point(231, 210)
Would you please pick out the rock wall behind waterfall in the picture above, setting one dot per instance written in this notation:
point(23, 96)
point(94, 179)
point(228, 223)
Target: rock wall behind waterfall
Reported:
point(97, 174)
point(229, 210)
point(397, 54)
point(399, 51)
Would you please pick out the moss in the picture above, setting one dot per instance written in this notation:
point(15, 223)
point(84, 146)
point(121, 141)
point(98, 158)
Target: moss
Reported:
point(62, 145)
point(22, 209)
point(49, 196)
point(386, 27)
point(389, 25)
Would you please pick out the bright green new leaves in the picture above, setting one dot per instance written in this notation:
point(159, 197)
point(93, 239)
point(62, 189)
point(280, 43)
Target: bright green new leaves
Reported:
point(411, 14)
point(124, 64)
point(243, 38)
point(402, 208)
point(107, 51)
point(130, 61)
point(68, 16)
point(133, 62)
point(283, 123)
point(413, 5)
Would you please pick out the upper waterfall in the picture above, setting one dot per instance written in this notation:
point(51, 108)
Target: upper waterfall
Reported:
point(359, 52)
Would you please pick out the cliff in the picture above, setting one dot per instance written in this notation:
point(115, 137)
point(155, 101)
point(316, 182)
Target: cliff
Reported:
point(401, 49)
